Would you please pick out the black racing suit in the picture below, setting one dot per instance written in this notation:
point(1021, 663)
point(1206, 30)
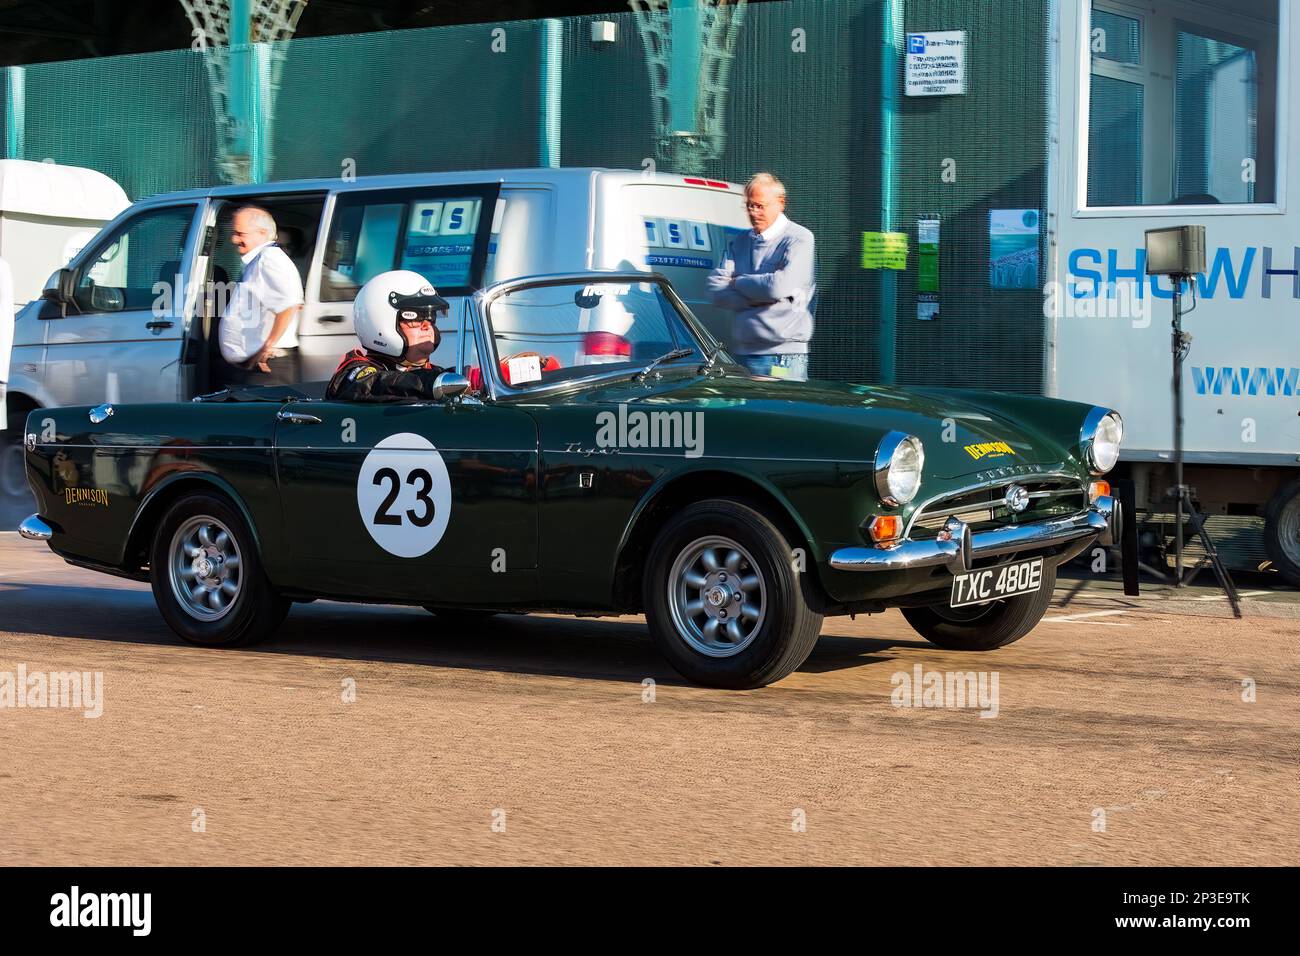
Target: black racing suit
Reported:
point(362, 377)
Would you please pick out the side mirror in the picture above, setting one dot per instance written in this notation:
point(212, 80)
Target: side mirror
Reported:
point(61, 287)
point(449, 385)
point(106, 298)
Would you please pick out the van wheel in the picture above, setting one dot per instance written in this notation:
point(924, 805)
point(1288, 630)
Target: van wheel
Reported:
point(207, 578)
point(13, 475)
point(983, 627)
point(1282, 531)
point(722, 599)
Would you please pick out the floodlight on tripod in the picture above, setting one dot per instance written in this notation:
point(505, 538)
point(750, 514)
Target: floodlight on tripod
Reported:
point(1179, 252)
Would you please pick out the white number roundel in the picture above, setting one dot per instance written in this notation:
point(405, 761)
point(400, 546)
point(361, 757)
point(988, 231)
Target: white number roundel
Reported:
point(404, 495)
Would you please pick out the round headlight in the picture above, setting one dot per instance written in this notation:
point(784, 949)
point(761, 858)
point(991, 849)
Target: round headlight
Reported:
point(898, 468)
point(1100, 438)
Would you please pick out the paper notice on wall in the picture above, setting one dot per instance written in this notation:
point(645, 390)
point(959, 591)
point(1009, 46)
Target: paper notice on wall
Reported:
point(936, 63)
point(884, 250)
point(927, 308)
point(927, 255)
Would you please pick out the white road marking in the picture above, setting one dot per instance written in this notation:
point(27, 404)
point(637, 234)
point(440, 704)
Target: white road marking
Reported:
point(1224, 597)
point(1087, 619)
point(1073, 617)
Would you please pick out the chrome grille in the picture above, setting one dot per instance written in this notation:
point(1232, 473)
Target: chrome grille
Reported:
point(984, 506)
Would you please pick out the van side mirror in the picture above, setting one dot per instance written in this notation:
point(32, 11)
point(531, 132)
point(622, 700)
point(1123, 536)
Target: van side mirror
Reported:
point(449, 385)
point(61, 287)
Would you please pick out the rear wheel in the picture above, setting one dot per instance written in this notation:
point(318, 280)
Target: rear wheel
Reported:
point(1282, 531)
point(983, 627)
point(207, 578)
point(13, 477)
point(722, 599)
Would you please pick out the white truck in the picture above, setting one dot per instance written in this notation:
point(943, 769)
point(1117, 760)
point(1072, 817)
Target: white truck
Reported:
point(1176, 112)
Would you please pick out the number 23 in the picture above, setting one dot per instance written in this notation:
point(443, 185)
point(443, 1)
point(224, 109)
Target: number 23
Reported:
point(383, 516)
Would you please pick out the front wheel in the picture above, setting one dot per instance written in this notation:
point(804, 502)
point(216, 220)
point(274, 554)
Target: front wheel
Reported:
point(983, 627)
point(207, 577)
point(723, 600)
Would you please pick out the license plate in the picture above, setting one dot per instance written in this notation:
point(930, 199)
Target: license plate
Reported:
point(993, 584)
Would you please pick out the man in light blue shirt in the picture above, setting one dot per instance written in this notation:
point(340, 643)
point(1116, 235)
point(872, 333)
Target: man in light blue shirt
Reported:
point(767, 278)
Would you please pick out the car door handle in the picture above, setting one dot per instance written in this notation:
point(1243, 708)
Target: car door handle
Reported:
point(159, 324)
point(332, 318)
point(297, 418)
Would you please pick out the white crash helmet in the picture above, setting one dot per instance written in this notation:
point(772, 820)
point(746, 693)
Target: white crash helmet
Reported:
point(379, 303)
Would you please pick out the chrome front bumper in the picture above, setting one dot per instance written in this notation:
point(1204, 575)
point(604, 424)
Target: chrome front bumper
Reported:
point(956, 548)
point(34, 529)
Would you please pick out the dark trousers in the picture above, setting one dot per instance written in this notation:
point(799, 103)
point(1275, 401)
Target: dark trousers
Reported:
point(284, 371)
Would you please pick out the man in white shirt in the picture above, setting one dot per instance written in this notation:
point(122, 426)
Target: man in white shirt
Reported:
point(259, 329)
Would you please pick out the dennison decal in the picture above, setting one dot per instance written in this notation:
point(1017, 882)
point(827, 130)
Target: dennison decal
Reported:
point(984, 449)
point(85, 496)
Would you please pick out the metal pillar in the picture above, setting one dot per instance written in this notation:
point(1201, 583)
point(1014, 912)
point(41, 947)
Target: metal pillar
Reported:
point(242, 113)
point(890, 67)
point(15, 80)
point(552, 92)
point(684, 82)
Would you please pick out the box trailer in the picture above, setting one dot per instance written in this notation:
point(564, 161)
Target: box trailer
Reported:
point(1171, 112)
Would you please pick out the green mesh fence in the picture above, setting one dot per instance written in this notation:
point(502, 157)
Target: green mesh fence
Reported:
point(144, 120)
point(409, 101)
point(467, 97)
point(996, 136)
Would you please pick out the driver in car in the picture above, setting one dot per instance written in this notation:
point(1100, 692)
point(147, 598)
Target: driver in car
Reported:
point(395, 317)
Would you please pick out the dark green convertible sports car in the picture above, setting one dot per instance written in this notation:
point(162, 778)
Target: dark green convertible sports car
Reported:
point(596, 452)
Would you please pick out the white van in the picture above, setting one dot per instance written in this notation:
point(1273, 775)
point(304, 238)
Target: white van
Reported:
point(102, 332)
point(48, 213)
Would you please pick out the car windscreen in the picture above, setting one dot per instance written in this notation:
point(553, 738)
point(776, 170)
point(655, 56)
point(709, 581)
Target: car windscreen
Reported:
point(551, 333)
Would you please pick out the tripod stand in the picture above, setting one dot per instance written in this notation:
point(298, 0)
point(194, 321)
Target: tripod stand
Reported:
point(1181, 344)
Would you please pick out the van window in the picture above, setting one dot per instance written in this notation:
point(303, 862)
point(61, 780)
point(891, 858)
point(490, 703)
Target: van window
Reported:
point(440, 233)
point(297, 222)
point(146, 249)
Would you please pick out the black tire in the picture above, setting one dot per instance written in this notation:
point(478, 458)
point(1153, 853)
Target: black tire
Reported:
point(13, 476)
point(254, 612)
point(1282, 531)
point(983, 627)
point(773, 643)
point(459, 617)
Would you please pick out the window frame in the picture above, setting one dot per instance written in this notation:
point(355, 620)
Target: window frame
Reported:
point(486, 193)
point(1278, 59)
point(1138, 74)
point(90, 255)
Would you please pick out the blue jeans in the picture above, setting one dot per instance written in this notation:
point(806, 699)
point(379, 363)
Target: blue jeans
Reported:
point(785, 365)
